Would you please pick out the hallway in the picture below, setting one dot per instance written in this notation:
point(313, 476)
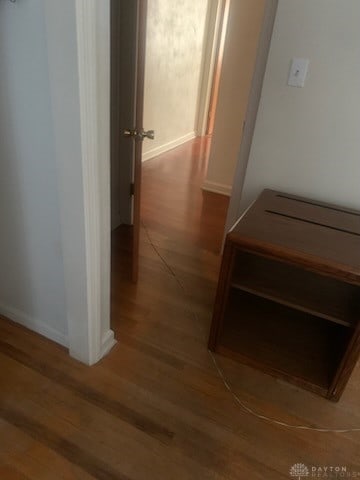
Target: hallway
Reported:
point(173, 203)
point(185, 225)
point(155, 407)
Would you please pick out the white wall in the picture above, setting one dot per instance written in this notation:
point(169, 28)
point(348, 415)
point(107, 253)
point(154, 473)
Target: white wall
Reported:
point(244, 25)
point(78, 35)
point(54, 171)
point(307, 140)
point(175, 34)
point(31, 263)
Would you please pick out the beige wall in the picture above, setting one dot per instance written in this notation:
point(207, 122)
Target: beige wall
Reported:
point(244, 25)
point(307, 139)
point(175, 34)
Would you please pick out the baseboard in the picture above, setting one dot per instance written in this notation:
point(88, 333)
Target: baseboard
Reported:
point(35, 325)
point(168, 146)
point(107, 343)
point(217, 188)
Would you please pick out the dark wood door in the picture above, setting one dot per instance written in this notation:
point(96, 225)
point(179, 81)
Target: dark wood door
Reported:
point(128, 34)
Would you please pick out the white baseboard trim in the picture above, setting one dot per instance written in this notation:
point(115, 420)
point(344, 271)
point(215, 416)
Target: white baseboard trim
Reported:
point(217, 188)
point(167, 146)
point(107, 343)
point(35, 325)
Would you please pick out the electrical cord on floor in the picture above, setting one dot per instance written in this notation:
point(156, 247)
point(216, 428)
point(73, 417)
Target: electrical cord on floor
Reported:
point(221, 374)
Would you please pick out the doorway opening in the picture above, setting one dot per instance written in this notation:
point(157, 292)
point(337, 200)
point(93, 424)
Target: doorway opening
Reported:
point(170, 85)
point(184, 50)
point(182, 70)
point(178, 217)
point(177, 78)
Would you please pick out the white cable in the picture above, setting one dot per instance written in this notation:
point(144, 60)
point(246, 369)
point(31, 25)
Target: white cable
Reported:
point(273, 420)
point(227, 385)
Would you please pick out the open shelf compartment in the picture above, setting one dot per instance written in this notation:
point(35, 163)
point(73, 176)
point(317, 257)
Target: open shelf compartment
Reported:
point(303, 290)
point(282, 341)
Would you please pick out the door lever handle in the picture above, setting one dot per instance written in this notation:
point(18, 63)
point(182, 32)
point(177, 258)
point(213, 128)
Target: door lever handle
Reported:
point(139, 135)
point(150, 134)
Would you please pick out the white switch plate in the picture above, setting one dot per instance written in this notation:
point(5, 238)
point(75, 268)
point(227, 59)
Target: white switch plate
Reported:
point(298, 71)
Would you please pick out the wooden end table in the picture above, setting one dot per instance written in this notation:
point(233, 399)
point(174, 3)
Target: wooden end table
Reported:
point(288, 297)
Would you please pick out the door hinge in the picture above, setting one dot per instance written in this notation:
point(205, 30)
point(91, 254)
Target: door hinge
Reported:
point(132, 188)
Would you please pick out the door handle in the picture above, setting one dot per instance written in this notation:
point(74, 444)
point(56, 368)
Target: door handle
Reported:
point(150, 134)
point(139, 134)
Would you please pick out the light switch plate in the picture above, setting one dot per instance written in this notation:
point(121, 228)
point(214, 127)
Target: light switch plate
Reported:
point(298, 71)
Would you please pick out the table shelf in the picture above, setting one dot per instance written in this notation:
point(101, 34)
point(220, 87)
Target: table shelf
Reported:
point(291, 344)
point(303, 290)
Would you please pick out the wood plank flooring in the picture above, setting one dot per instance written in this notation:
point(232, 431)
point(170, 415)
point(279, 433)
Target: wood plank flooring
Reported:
point(155, 407)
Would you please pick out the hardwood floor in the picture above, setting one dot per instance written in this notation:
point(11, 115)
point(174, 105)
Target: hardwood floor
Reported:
point(155, 407)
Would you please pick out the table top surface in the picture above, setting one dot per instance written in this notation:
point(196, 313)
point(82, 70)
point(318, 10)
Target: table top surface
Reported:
point(302, 231)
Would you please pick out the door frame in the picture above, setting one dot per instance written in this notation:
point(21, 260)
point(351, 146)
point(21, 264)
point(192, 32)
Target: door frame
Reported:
point(251, 112)
point(89, 338)
point(213, 34)
point(93, 43)
point(80, 90)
